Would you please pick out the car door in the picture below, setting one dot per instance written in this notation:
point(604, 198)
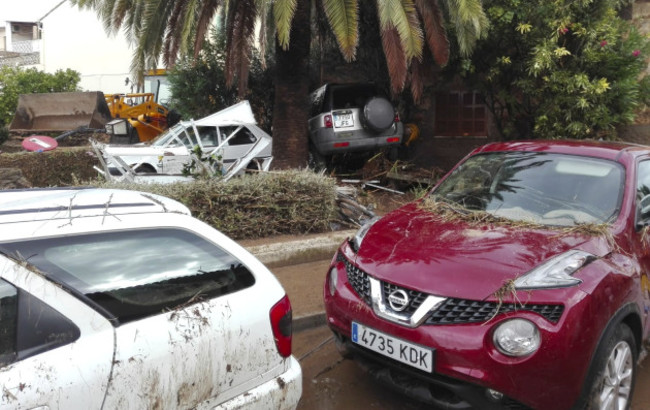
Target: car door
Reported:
point(643, 234)
point(239, 140)
point(55, 352)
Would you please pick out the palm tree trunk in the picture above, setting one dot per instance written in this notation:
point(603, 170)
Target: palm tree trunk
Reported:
point(291, 106)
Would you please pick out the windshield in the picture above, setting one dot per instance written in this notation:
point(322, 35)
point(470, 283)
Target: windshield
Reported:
point(172, 136)
point(548, 189)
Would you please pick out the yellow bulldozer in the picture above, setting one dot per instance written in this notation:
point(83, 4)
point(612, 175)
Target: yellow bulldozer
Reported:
point(146, 118)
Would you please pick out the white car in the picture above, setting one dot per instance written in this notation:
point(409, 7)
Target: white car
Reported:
point(113, 299)
point(230, 135)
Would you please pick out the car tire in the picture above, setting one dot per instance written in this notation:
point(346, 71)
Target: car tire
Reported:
point(378, 114)
point(613, 372)
point(145, 169)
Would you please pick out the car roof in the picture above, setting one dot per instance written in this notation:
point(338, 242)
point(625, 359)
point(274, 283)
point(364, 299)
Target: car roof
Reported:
point(26, 205)
point(612, 150)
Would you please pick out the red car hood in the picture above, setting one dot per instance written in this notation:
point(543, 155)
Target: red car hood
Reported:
point(410, 249)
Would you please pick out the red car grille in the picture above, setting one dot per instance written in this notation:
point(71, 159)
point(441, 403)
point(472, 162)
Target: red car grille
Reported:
point(457, 311)
point(359, 281)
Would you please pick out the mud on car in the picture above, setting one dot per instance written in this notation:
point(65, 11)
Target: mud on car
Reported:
point(121, 300)
point(520, 281)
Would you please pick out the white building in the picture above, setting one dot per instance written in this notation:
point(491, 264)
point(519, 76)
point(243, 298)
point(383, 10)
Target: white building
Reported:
point(53, 35)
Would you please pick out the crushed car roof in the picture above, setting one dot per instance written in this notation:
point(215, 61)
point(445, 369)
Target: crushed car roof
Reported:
point(238, 113)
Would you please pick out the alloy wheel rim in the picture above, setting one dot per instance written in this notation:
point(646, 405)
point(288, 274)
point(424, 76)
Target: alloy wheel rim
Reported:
point(616, 385)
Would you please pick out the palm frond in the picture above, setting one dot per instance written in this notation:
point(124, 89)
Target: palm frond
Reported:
point(417, 79)
point(395, 58)
point(434, 27)
point(401, 15)
point(469, 21)
point(206, 12)
point(241, 30)
point(283, 12)
point(343, 17)
point(173, 34)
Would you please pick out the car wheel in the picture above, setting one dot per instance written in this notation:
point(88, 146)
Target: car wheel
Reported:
point(378, 114)
point(145, 169)
point(614, 372)
point(253, 167)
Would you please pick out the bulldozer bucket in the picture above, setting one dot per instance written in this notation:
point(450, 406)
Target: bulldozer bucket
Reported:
point(60, 111)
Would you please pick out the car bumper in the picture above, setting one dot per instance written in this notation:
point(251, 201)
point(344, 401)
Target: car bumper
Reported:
point(282, 392)
point(328, 141)
point(466, 363)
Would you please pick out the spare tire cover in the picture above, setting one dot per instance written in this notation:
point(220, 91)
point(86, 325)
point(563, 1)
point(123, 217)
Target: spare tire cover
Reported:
point(379, 114)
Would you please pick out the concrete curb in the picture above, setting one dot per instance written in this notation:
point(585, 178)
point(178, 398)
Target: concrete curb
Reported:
point(308, 322)
point(290, 252)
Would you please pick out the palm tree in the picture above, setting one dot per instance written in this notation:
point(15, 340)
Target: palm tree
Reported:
point(169, 28)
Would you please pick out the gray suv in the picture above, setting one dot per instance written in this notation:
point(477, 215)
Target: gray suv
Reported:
point(351, 118)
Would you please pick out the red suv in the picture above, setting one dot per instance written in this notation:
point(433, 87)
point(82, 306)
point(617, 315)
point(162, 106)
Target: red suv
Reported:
point(520, 281)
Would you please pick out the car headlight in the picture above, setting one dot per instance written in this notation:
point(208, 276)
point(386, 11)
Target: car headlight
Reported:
point(333, 280)
point(555, 272)
point(517, 337)
point(361, 233)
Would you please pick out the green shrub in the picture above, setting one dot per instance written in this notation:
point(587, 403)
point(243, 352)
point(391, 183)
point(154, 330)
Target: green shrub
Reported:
point(60, 167)
point(4, 134)
point(254, 206)
point(560, 69)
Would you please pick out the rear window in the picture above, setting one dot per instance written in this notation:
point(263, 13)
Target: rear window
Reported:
point(129, 275)
point(353, 96)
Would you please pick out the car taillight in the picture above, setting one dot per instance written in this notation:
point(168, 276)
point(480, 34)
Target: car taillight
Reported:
point(397, 117)
point(281, 324)
point(328, 121)
point(341, 144)
point(392, 139)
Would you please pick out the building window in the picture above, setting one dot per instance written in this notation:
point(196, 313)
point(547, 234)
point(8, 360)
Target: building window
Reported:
point(460, 113)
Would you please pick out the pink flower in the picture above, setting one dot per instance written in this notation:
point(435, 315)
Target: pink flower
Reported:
point(636, 53)
point(603, 43)
point(564, 30)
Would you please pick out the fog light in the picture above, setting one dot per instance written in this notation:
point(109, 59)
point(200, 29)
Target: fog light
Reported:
point(493, 395)
point(517, 337)
point(333, 280)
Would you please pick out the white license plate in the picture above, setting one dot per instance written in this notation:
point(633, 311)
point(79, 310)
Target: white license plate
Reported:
point(397, 349)
point(343, 120)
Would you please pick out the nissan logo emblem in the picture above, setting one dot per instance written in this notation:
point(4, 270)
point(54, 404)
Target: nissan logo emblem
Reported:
point(398, 300)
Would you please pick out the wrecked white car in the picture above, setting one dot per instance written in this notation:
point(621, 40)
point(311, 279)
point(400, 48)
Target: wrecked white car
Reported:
point(170, 325)
point(230, 137)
